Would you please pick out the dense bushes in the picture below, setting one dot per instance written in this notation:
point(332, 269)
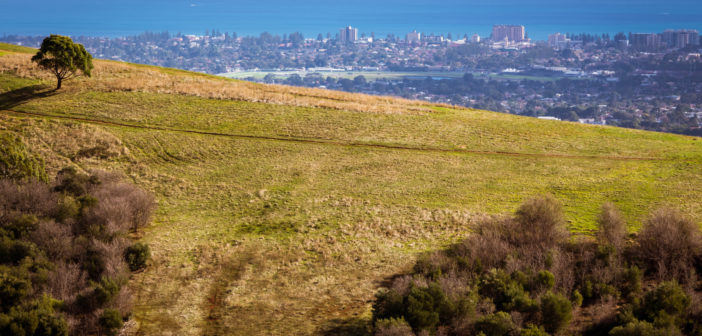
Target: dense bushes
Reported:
point(66, 254)
point(137, 255)
point(524, 275)
point(556, 312)
point(16, 162)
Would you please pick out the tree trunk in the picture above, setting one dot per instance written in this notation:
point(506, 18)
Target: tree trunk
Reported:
point(58, 84)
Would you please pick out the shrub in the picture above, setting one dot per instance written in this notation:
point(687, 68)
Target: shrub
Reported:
point(636, 328)
point(16, 162)
point(393, 327)
point(37, 318)
point(13, 251)
point(631, 281)
point(577, 298)
point(498, 324)
point(67, 208)
point(506, 293)
point(532, 330)
point(485, 249)
point(70, 181)
point(668, 244)
point(137, 255)
point(612, 228)
point(503, 291)
point(426, 307)
point(94, 264)
point(544, 280)
point(388, 304)
point(556, 312)
point(539, 223)
point(22, 225)
point(110, 321)
point(12, 289)
point(667, 299)
point(105, 291)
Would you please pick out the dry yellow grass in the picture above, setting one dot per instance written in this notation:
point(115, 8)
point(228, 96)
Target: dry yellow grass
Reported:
point(111, 76)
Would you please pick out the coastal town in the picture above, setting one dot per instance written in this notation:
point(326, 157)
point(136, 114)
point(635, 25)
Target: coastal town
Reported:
point(638, 80)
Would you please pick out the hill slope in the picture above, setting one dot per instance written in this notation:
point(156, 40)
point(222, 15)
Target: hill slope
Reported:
point(282, 209)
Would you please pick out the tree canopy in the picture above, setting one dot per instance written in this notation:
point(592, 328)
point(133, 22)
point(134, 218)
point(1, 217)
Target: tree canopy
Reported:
point(63, 58)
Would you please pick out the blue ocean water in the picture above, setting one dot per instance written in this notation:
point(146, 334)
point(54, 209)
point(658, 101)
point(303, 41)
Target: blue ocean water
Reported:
point(128, 17)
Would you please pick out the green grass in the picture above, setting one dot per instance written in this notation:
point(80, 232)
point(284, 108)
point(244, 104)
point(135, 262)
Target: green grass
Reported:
point(9, 82)
point(446, 128)
point(16, 48)
point(274, 236)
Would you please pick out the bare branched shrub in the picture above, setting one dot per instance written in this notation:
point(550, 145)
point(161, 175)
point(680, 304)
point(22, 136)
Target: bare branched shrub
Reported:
point(565, 274)
point(112, 253)
point(143, 206)
point(66, 281)
point(31, 197)
point(486, 248)
point(124, 301)
point(669, 244)
point(538, 224)
point(454, 286)
point(130, 207)
point(402, 284)
point(435, 264)
point(612, 228)
point(55, 239)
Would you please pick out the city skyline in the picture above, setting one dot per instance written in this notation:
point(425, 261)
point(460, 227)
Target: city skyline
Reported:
point(129, 17)
point(677, 38)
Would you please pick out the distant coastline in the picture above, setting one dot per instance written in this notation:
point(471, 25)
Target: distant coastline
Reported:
point(315, 17)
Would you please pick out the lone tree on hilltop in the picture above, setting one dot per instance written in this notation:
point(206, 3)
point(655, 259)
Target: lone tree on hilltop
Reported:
point(63, 58)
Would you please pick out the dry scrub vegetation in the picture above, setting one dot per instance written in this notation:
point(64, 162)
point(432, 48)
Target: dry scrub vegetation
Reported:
point(113, 76)
point(524, 275)
point(66, 253)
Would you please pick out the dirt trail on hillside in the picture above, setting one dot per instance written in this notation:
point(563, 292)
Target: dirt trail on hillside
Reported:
point(328, 141)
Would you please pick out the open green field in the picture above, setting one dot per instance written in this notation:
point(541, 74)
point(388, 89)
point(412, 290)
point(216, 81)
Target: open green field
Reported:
point(376, 75)
point(280, 219)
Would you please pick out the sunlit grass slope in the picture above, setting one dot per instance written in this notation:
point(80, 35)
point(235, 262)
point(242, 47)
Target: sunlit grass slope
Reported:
point(281, 210)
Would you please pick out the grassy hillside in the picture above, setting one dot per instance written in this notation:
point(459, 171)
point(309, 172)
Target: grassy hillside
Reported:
point(281, 209)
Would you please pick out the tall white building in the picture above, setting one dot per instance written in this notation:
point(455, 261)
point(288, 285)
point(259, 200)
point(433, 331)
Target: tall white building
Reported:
point(414, 37)
point(348, 34)
point(475, 38)
point(557, 40)
point(508, 33)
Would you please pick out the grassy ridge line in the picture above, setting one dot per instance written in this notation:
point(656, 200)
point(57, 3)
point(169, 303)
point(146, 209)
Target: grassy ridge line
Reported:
point(17, 48)
point(112, 76)
point(333, 141)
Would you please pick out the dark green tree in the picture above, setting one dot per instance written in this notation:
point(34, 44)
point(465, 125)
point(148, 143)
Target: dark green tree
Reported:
point(63, 58)
point(111, 321)
point(137, 255)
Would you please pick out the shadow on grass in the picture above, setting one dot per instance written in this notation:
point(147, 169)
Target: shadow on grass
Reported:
point(10, 99)
point(346, 327)
point(354, 326)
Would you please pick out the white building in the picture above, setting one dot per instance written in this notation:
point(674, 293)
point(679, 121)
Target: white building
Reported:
point(414, 37)
point(348, 34)
point(557, 40)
